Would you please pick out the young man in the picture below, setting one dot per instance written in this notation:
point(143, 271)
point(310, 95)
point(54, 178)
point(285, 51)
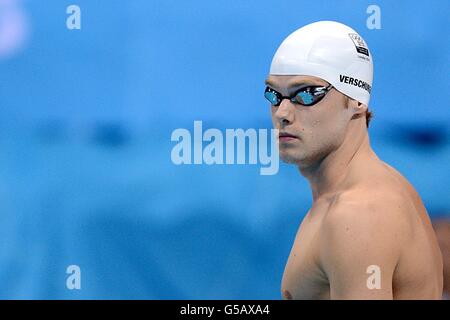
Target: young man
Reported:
point(367, 234)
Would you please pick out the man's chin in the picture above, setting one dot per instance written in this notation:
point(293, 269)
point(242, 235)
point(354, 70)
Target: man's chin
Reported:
point(289, 158)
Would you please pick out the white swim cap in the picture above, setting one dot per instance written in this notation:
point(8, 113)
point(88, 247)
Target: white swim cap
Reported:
point(331, 51)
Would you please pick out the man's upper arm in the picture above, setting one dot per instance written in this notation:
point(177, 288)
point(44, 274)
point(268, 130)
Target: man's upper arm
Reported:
point(360, 249)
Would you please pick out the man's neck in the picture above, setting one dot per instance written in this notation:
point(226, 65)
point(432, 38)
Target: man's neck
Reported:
point(327, 176)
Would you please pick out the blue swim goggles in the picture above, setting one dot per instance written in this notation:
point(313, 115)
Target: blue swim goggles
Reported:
point(306, 96)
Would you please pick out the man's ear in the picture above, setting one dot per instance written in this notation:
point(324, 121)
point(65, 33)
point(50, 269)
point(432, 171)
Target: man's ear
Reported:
point(357, 107)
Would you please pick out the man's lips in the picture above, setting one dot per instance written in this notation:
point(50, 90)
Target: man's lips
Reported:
point(284, 136)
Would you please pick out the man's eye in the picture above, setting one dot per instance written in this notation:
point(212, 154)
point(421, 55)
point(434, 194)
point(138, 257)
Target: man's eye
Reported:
point(306, 97)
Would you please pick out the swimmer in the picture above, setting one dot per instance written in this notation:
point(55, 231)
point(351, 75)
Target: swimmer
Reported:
point(367, 234)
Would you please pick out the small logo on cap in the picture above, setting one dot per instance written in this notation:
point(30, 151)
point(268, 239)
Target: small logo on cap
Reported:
point(359, 43)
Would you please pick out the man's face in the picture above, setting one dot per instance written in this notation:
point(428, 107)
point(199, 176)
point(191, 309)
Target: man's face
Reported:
point(317, 130)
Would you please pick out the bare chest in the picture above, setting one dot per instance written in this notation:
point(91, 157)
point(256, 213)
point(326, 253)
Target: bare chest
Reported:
point(302, 277)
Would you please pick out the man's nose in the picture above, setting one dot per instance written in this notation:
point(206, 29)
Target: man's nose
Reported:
point(285, 112)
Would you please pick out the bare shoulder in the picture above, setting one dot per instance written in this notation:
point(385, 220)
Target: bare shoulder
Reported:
point(366, 220)
point(360, 231)
point(380, 223)
point(368, 207)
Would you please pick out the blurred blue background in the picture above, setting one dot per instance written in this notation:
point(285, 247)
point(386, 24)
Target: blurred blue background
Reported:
point(87, 115)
